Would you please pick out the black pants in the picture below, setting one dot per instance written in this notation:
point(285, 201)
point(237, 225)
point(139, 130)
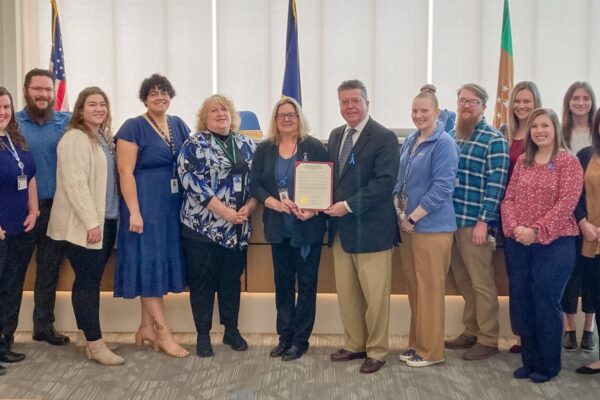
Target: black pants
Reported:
point(89, 266)
point(295, 319)
point(210, 269)
point(15, 254)
point(49, 256)
point(591, 267)
point(578, 285)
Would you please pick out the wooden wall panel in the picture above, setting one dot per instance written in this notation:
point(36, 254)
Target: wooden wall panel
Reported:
point(259, 274)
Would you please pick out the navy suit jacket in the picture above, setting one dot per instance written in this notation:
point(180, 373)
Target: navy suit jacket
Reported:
point(366, 183)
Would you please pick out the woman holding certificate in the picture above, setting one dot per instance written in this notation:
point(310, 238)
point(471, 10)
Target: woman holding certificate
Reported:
point(428, 166)
point(295, 234)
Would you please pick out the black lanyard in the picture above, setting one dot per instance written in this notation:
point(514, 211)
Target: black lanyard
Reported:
point(168, 139)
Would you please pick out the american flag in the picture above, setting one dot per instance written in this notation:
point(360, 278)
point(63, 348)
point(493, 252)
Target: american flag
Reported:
point(57, 62)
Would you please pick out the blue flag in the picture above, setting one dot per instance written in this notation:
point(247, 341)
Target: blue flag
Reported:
point(291, 77)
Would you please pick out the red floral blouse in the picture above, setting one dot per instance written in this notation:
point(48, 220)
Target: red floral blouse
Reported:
point(543, 197)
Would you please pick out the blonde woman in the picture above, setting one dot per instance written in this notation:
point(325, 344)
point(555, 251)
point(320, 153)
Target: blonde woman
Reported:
point(295, 234)
point(214, 165)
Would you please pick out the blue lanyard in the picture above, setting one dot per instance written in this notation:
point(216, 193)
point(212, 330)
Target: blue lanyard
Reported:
point(411, 156)
point(15, 154)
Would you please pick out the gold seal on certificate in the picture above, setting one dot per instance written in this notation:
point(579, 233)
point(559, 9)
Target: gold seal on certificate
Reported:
point(313, 185)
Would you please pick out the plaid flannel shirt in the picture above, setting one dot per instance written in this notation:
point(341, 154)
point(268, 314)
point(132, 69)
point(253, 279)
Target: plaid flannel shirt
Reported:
point(482, 175)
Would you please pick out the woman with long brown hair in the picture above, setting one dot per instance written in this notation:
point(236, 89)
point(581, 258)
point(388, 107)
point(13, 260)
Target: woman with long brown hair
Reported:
point(579, 105)
point(540, 230)
point(85, 211)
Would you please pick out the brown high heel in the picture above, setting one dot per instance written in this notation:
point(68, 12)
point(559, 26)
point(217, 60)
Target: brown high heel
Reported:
point(165, 342)
point(141, 338)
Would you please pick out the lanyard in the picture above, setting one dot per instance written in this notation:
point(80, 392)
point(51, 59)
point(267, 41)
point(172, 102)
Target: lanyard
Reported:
point(15, 154)
point(229, 155)
point(411, 156)
point(167, 138)
point(283, 182)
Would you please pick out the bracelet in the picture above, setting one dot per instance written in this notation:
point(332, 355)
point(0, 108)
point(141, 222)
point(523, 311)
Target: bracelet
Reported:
point(35, 212)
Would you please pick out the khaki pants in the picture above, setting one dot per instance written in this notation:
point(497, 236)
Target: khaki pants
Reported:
point(363, 284)
point(474, 276)
point(425, 259)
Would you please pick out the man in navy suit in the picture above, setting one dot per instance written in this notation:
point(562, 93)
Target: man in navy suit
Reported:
point(363, 228)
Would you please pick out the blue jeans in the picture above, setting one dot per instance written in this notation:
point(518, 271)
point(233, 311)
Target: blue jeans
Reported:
point(538, 275)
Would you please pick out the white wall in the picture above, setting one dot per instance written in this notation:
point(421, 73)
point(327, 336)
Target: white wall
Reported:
point(115, 44)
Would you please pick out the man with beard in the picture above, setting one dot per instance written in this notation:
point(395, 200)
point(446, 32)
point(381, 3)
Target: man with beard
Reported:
point(43, 127)
point(480, 184)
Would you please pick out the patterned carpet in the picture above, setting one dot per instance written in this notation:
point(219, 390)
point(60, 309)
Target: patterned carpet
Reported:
point(65, 373)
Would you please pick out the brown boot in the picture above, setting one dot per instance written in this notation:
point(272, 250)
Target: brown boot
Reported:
point(82, 342)
point(479, 352)
point(98, 352)
point(461, 342)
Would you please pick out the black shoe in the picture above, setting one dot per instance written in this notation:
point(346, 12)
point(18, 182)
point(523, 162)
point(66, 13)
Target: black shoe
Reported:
point(587, 370)
point(2, 370)
point(279, 350)
point(569, 341)
point(5, 354)
point(203, 346)
point(8, 356)
point(588, 341)
point(50, 336)
point(293, 353)
point(235, 340)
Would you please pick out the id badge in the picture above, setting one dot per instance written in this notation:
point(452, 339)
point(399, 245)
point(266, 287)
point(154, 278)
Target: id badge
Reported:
point(237, 183)
point(22, 182)
point(283, 194)
point(174, 186)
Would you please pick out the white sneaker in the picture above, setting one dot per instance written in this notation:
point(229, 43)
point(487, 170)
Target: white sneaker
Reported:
point(418, 361)
point(407, 355)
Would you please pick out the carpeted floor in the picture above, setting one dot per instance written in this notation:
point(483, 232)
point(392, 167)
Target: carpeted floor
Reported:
point(65, 373)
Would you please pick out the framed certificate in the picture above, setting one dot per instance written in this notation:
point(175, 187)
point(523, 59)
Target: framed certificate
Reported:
point(313, 185)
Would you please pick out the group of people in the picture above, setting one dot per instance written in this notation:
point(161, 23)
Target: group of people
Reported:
point(178, 205)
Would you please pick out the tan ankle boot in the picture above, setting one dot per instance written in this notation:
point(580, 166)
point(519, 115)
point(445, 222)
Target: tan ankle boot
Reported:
point(82, 342)
point(98, 352)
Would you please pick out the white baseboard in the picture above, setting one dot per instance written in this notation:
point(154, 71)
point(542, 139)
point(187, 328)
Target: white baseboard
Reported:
point(257, 314)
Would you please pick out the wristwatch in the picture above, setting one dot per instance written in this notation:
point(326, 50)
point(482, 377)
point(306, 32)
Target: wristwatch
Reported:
point(411, 221)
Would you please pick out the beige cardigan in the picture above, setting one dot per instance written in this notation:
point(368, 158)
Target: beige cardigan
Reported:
point(80, 199)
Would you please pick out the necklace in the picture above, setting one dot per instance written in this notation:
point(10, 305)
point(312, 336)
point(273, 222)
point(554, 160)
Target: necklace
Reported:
point(104, 143)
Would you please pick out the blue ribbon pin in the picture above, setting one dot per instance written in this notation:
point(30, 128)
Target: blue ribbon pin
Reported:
point(352, 159)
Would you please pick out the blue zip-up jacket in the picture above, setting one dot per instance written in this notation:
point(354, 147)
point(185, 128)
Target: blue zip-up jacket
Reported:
point(430, 181)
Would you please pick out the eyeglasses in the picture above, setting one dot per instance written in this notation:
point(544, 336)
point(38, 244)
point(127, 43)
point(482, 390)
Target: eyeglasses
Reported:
point(39, 89)
point(156, 93)
point(291, 116)
point(470, 102)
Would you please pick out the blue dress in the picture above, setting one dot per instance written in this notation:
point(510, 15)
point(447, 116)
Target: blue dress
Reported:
point(150, 264)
